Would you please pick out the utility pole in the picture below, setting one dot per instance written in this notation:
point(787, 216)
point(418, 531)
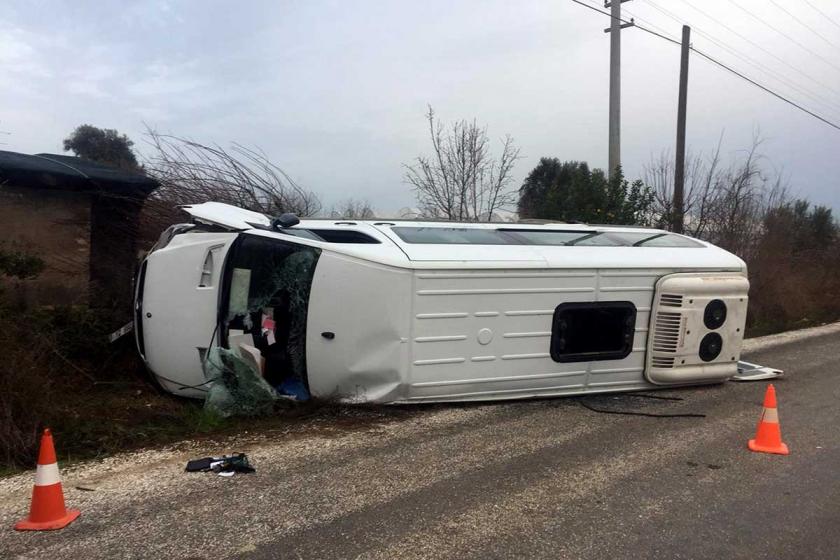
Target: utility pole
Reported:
point(615, 82)
point(679, 164)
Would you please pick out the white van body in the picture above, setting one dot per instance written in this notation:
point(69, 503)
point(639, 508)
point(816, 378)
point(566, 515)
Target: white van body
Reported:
point(428, 311)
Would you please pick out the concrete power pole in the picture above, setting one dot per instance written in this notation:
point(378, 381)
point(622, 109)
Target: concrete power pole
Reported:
point(679, 164)
point(615, 82)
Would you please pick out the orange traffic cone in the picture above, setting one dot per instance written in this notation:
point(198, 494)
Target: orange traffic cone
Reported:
point(768, 435)
point(47, 510)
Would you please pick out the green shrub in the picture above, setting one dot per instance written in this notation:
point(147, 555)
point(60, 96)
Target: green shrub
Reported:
point(19, 264)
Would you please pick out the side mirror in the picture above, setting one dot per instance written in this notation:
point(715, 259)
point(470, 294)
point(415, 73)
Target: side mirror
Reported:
point(284, 221)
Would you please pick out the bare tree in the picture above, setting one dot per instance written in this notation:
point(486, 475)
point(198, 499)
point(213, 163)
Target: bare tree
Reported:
point(462, 180)
point(353, 209)
point(701, 174)
point(725, 205)
point(190, 173)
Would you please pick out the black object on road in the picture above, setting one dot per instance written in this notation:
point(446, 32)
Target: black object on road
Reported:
point(235, 463)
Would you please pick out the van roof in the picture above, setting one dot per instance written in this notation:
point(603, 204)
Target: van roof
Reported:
point(437, 244)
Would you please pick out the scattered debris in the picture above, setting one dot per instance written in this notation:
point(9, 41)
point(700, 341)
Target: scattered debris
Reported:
point(236, 388)
point(226, 465)
point(754, 372)
point(121, 332)
point(292, 388)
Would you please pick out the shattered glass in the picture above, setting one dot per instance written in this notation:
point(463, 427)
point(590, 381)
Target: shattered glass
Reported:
point(268, 298)
point(236, 388)
point(292, 282)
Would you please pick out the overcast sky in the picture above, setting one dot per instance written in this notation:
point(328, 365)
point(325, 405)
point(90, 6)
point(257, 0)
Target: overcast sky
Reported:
point(335, 92)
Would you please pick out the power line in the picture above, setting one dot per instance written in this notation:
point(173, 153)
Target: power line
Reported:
point(823, 14)
point(823, 101)
point(783, 34)
point(651, 24)
point(756, 45)
point(826, 103)
point(622, 20)
point(768, 90)
point(718, 63)
point(803, 24)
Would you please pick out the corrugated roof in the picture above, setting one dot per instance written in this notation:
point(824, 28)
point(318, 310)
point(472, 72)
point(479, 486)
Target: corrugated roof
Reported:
point(53, 171)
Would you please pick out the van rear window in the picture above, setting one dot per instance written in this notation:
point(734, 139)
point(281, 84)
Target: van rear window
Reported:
point(518, 236)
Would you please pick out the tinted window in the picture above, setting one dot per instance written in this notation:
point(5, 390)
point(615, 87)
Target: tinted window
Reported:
point(343, 236)
point(585, 332)
point(604, 240)
point(548, 237)
point(304, 233)
point(638, 239)
point(453, 236)
point(330, 235)
point(670, 240)
point(512, 236)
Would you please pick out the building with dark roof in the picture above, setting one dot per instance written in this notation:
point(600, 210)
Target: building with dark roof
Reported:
point(81, 218)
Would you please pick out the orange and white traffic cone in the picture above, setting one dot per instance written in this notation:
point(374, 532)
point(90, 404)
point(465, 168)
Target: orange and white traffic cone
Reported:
point(768, 435)
point(47, 510)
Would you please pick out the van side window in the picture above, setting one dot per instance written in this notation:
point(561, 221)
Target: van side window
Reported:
point(330, 235)
point(592, 331)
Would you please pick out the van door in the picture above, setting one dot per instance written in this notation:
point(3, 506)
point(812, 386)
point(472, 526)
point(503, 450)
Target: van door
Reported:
point(265, 303)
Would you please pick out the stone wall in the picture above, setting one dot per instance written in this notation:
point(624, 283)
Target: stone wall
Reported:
point(54, 225)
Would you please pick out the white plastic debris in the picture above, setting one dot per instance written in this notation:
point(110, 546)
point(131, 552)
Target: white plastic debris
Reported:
point(754, 372)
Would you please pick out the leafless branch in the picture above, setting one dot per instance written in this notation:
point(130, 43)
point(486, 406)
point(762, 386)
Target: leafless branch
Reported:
point(353, 209)
point(190, 172)
point(723, 204)
point(462, 180)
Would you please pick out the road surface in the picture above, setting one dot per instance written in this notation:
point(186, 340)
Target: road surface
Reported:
point(533, 479)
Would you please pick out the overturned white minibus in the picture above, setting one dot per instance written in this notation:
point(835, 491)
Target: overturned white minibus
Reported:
point(398, 311)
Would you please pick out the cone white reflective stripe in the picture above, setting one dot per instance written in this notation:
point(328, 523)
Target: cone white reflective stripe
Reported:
point(47, 475)
point(771, 416)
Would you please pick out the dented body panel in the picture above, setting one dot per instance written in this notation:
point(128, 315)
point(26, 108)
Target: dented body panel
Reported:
point(368, 360)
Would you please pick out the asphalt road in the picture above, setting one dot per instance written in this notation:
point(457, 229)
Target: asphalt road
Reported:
point(532, 479)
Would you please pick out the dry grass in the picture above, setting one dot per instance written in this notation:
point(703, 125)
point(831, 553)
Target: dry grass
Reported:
point(96, 398)
point(58, 371)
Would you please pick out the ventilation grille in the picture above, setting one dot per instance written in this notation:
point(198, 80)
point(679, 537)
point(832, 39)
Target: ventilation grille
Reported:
point(670, 300)
point(666, 334)
point(662, 362)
